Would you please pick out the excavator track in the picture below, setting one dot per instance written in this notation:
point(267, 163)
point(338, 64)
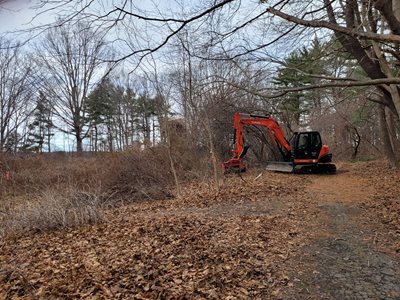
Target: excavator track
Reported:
point(316, 169)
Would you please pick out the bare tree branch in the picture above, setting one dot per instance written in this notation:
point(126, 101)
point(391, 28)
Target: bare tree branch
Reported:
point(389, 38)
point(184, 23)
point(352, 83)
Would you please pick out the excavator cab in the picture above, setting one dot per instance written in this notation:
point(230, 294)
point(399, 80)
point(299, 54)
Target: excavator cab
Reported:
point(309, 155)
point(306, 145)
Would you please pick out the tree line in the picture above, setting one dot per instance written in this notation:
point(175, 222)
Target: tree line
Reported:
point(326, 65)
point(63, 85)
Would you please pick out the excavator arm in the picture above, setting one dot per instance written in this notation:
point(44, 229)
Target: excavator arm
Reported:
point(273, 128)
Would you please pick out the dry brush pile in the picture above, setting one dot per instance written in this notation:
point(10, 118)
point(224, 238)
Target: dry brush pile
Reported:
point(50, 191)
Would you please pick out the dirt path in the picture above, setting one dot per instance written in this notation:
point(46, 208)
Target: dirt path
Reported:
point(342, 261)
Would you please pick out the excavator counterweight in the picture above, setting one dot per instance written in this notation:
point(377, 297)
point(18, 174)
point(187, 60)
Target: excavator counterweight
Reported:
point(305, 152)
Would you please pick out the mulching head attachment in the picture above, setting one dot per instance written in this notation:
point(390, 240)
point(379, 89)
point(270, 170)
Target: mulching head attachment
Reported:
point(234, 165)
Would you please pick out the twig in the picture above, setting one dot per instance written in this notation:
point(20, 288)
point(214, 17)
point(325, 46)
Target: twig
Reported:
point(287, 254)
point(258, 176)
point(374, 241)
point(240, 175)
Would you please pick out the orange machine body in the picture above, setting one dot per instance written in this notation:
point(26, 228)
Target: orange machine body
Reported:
point(288, 150)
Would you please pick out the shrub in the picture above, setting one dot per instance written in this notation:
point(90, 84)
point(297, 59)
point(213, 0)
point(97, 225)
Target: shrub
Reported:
point(52, 210)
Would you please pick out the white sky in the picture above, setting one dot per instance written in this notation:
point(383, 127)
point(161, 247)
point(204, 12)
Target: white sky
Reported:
point(22, 14)
point(132, 33)
point(14, 14)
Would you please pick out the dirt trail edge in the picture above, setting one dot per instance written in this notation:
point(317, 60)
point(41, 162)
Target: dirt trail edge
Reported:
point(342, 260)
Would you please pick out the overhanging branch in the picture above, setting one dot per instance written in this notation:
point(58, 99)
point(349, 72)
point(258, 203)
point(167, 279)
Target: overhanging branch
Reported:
point(388, 38)
point(336, 84)
point(183, 23)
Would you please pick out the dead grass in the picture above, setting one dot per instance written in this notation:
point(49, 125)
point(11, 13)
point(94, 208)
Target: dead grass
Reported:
point(57, 190)
point(123, 172)
point(52, 210)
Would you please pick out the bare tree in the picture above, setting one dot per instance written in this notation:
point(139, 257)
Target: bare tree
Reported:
point(72, 60)
point(15, 94)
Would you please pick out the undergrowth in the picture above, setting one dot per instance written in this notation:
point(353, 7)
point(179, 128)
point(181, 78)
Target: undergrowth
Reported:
point(52, 210)
point(51, 191)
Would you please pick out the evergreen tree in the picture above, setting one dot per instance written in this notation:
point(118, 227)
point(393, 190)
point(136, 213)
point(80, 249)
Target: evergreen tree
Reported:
point(299, 68)
point(127, 118)
point(119, 116)
point(146, 110)
point(101, 108)
point(41, 128)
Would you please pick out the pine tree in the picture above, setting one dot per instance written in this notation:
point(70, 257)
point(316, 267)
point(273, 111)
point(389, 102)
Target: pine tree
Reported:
point(41, 128)
point(300, 66)
point(101, 108)
point(146, 110)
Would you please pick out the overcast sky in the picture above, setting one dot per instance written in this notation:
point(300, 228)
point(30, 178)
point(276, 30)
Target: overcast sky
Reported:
point(21, 14)
point(14, 14)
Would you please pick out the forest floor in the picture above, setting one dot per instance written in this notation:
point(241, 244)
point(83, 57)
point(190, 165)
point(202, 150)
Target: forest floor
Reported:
point(274, 236)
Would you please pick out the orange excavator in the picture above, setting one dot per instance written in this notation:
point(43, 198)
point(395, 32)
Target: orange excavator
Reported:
point(303, 153)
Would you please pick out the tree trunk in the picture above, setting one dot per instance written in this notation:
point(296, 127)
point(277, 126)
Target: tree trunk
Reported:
point(356, 49)
point(110, 137)
point(49, 140)
point(96, 138)
point(147, 133)
point(392, 133)
point(172, 164)
point(356, 143)
point(126, 134)
point(41, 138)
point(79, 144)
point(214, 159)
point(154, 130)
point(387, 145)
point(396, 9)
